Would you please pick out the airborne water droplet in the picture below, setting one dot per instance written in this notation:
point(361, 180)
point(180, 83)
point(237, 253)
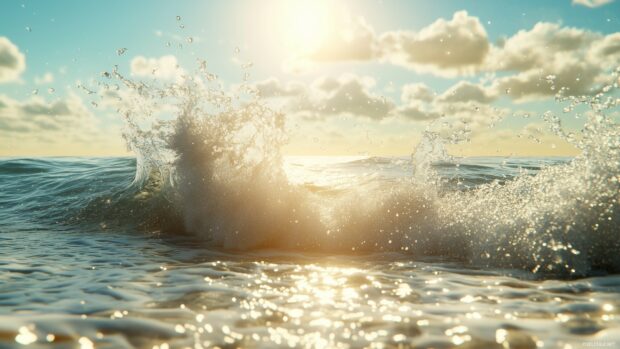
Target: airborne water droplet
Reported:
point(190, 40)
point(178, 18)
point(120, 51)
point(51, 90)
point(28, 29)
point(35, 91)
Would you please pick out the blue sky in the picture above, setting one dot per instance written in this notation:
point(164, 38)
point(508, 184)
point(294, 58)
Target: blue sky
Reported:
point(74, 41)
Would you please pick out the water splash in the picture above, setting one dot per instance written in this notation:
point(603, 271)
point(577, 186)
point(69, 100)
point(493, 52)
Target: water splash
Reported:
point(215, 156)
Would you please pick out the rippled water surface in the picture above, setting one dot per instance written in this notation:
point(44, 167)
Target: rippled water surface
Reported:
point(79, 267)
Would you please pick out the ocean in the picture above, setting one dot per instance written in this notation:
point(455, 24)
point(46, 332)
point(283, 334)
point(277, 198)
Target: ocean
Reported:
point(328, 252)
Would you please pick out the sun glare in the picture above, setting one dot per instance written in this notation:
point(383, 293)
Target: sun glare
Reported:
point(307, 24)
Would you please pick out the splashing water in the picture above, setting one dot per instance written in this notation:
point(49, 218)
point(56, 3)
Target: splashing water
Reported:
point(216, 158)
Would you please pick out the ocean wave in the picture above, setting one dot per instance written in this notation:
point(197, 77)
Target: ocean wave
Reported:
point(215, 171)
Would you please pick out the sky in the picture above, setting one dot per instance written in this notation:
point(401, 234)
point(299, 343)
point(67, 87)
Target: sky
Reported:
point(365, 77)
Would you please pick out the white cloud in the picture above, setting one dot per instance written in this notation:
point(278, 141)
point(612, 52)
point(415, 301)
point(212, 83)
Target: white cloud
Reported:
point(165, 67)
point(37, 117)
point(592, 3)
point(417, 111)
point(346, 95)
point(272, 88)
point(351, 95)
point(549, 57)
point(457, 113)
point(464, 91)
point(606, 50)
point(578, 59)
point(12, 61)
point(542, 46)
point(464, 104)
point(417, 92)
point(46, 78)
point(446, 47)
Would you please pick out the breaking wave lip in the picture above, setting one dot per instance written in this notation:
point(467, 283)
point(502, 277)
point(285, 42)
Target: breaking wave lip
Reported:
point(214, 169)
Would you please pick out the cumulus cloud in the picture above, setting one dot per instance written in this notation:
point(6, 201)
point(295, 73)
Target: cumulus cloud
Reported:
point(578, 59)
point(592, 3)
point(417, 111)
point(446, 47)
point(458, 113)
point(272, 88)
point(37, 116)
point(549, 57)
point(464, 106)
point(464, 91)
point(326, 96)
point(606, 50)
point(12, 61)
point(349, 95)
point(542, 46)
point(165, 67)
point(417, 92)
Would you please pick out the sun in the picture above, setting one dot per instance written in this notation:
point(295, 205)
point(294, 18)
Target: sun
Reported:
point(308, 24)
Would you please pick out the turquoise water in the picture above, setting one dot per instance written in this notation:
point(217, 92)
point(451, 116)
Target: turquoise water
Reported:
point(91, 258)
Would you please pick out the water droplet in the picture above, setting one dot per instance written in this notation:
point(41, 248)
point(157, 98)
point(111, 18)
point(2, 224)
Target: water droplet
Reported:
point(51, 90)
point(26, 336)
point(35, 91)
point(28, 29)
point(120, 51)
point(237, 50)
point(190, 40)
point(178, 18)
